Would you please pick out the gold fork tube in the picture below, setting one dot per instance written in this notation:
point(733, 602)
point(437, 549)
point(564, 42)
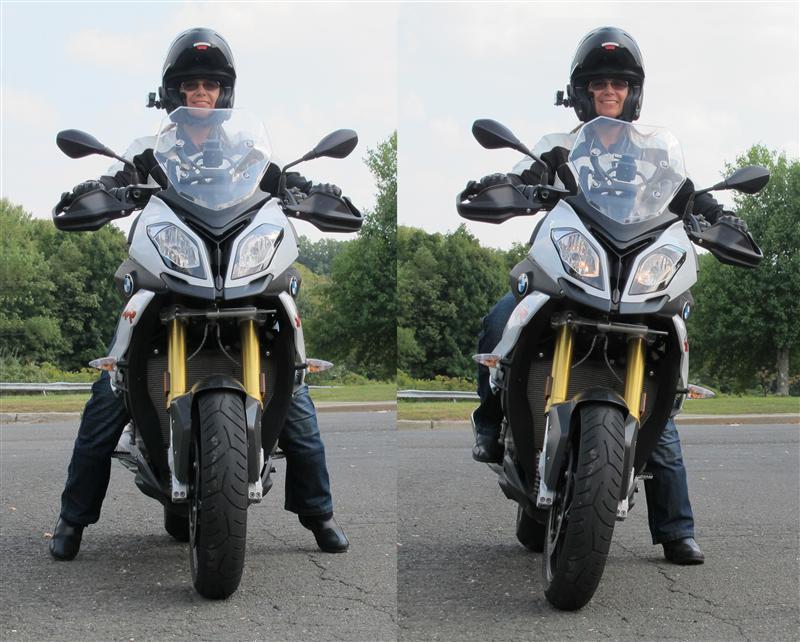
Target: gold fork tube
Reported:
point(251, 359)
point(176, 360)
point(562, 361)
point(634, 376)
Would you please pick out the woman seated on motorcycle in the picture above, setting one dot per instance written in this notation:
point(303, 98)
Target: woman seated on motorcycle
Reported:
point(607, 79)
point(198, 73)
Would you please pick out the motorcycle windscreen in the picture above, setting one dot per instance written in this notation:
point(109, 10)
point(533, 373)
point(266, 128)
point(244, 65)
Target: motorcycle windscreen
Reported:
point(629, 173)
point(214, 158)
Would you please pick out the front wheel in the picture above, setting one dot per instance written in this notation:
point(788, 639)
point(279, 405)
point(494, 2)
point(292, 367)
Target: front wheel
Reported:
point(581, 520)
point(218, 509)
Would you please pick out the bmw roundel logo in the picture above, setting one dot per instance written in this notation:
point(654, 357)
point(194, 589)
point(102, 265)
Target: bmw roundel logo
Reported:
point(127, 285)
point(294, 286)
point(522, 283)
point(687, 310)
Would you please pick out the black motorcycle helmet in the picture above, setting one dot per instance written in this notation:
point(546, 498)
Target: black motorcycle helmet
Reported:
point(197, 53)
point(607, 52)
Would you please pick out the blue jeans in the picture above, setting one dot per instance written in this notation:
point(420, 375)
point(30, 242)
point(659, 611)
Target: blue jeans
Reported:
point(669, 511)
point(105, 416)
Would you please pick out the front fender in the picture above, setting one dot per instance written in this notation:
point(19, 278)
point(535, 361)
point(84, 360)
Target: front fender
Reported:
point(182, 414)
point(560, 425)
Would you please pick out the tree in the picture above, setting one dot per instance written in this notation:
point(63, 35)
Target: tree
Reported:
point(748, 320)
point(57, 297)
point(446, 284)
point(318, 256)
point(361, 327)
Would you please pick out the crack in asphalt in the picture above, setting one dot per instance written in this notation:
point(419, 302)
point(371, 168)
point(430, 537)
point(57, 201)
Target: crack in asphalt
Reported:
point(674, 588)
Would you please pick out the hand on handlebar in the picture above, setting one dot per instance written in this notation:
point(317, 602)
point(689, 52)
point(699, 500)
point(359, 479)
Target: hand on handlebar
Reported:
point(732, 219)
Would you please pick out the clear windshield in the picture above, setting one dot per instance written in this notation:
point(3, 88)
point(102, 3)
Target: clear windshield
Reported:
point(628, 172)
point(213, 157)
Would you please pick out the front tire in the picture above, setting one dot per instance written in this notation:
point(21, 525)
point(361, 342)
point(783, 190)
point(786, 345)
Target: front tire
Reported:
point(218, 510)
point(581, 521)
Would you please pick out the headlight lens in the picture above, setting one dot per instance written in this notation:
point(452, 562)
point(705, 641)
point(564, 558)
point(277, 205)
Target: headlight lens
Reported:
point(657, 269)
point(256, 250)
point(178, 250)
point(578, 256)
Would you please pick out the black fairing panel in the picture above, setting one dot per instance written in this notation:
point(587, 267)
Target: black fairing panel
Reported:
point(619, 235)
point(216, 223)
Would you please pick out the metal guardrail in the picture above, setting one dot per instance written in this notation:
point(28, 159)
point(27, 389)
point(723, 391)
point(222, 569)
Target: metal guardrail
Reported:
point(446, 395)
point(61, 386)
point(45, 387)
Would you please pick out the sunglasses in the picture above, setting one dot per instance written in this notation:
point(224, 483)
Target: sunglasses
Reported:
point(194, 85)
point(600, 84)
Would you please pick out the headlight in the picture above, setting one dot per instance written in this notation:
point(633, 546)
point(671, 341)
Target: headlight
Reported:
point(256, 250)
point(178, 250)
point(578, 256)
point(657, 269)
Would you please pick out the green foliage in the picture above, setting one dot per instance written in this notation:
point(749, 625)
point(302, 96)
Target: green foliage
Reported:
point(359, 326)
point(439, 382)
point(57, 299)
point(13, 369)
point(318, 256)
point(744, 319)
point(446, 284)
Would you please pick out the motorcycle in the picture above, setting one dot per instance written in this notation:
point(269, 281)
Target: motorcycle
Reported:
point(595, 357)
point(209, 349)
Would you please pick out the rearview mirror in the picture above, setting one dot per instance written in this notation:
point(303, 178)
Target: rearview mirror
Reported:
point(77, 144)
point(749, 180)
point(337, 144)
point(492, 135)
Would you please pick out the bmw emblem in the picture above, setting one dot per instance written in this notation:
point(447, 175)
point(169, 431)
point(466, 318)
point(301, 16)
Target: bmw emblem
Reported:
point(687, 310)
point(294, 286)
point(127, 285)
point(522, 283)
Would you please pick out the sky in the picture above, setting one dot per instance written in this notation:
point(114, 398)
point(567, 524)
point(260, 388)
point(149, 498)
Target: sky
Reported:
point(720, 76)
point(306, 70)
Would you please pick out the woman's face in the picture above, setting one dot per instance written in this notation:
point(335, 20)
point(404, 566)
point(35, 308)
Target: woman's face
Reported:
point(200, 93)
point(609, 96)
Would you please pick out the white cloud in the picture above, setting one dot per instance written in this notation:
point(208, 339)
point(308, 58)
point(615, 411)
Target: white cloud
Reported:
point(22, 109)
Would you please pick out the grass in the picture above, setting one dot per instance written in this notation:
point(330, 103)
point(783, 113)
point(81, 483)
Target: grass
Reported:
point(725, 405)
point(422, 410)
point(365, 392)
point(74, 402)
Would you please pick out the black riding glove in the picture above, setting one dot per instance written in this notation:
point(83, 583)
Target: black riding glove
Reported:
point(732, 219)
point(554, 163)
point(326, 188)
point(86, 186)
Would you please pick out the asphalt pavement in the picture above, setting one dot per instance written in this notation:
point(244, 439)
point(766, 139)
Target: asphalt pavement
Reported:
point(451, 570)
point(131, 581)
point(463, 576)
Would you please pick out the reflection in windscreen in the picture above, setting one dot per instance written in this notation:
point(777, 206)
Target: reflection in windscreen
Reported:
point(628, 173)
point(214, 158)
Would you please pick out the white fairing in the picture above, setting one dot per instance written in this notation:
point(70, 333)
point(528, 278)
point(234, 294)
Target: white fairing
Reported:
point(683, 341)
point(520, 317)
point(299, 343)
point(133, 312)
point(544, 252)
point(144, 251)
point(284, 256)
point(682, 280)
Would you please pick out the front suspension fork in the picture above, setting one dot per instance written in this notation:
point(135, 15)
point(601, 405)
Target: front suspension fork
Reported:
point(252, 378)
point(562, 362)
